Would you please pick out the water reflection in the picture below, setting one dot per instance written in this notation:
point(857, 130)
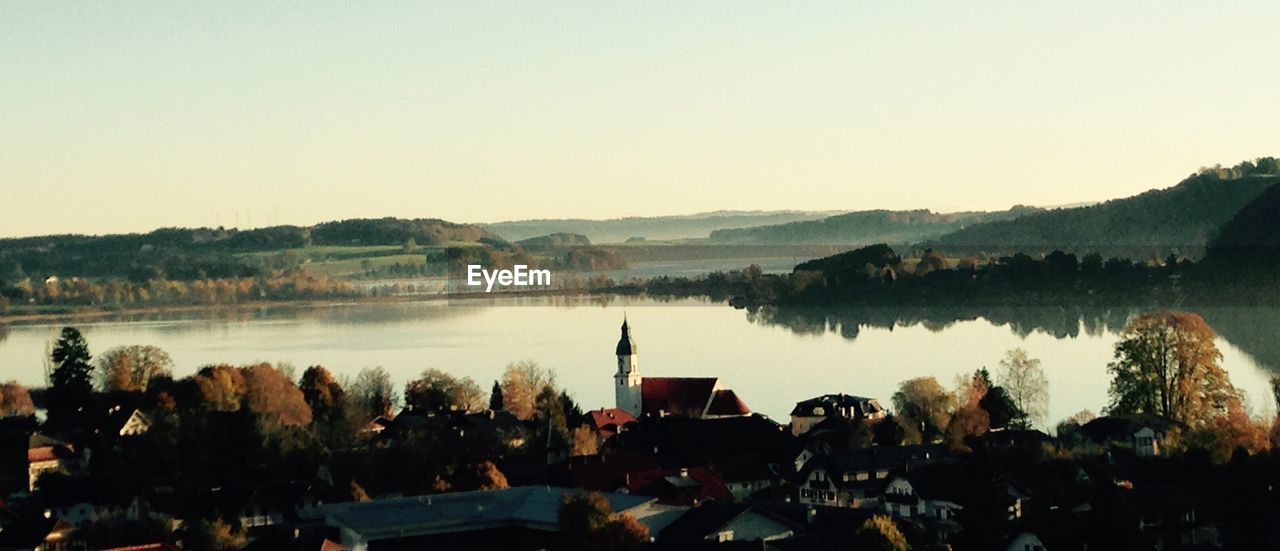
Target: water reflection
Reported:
point(1255, 331)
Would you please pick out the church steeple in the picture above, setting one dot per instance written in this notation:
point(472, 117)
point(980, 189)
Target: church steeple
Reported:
point(629, 385)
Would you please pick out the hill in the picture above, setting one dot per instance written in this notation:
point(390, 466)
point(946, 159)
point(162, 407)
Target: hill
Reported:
point(1251, 239)
point(190, 253)
point(618, 230)
point(1177, 220)
point(864, 227)
point(555, 240)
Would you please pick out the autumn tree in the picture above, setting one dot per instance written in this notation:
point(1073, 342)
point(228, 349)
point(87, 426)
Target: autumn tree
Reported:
point(221, 387)
point(1024, 381)
point(323, 393)
point(880, 533)
point(489, 477)
point(587, 522)
point(924, 403)
point(436, 390)
point(585, 441)
point(132, 368)
point(273, 398)
point(1167, 364)
point(521, 384)
point(1230, 433)
point(71, 381)
point(15, 401)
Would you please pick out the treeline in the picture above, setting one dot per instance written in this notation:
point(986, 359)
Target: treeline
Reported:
point(79, 292)
point(197, 253)
point(571, 259)
point(876, 226)
point(877, 275)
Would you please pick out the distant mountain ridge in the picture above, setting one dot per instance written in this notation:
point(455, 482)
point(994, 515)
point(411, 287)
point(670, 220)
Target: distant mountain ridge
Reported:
point(1177, 220)
point(618, 230)
point(864, 228)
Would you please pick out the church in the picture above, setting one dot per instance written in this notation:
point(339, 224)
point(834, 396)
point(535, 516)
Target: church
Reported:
point(696, 397)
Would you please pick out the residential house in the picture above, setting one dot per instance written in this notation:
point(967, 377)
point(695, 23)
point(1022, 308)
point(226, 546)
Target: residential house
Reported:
point(852, 477)
point(720, 522)
point(1144, 434)
point(810, 412)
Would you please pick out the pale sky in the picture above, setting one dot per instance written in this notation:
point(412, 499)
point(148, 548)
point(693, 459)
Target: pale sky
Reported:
point(126, 116)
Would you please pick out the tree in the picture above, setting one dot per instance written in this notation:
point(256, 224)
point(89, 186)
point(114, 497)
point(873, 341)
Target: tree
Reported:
point(1230, 433)
point(880, 533)
point(372, 393)
point(222, 388)
point(925, 403)
point(1167, 364)
point(490, 478)
point(15, 401)
point(323, 393)
point(273, 398)
point(132, 368)
point(203, 535)
point(495, 397)
point(585, 441)
point(71, 388)
point(1001, 410)
point(436, 390)
point(521, 384)
point(1023, 379)
point(587, 522)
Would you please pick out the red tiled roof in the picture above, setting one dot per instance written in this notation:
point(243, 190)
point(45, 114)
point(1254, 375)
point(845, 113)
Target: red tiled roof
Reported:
point(608, 472)
point(44, 453)
point(658, 483)
point(687, 396)
point(608, 421)
point(726, 402)
point(330, 545)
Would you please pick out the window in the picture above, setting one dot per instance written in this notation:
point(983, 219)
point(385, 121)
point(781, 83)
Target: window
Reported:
point(881, 474)
point(864, 476)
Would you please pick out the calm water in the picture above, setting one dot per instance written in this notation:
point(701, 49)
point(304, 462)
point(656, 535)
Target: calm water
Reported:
point(770, 358)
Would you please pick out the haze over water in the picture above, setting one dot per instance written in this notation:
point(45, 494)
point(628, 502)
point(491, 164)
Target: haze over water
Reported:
point(770, 365)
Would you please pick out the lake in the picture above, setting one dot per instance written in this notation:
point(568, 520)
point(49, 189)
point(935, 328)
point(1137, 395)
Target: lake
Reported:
point(771, 358)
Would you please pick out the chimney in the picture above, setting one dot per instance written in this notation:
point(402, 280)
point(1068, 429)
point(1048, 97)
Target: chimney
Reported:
point(684, 472)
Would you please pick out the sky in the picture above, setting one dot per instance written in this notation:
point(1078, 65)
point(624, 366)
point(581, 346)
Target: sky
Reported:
point(127, 116)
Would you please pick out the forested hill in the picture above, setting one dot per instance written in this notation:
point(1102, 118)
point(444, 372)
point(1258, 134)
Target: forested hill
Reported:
point(1181, 219)
point(617, 230)
point(184, 253)
point(864, 227)
point(1251, 239)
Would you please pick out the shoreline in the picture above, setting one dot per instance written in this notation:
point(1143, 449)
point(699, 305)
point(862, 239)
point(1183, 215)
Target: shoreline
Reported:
point(92, 313)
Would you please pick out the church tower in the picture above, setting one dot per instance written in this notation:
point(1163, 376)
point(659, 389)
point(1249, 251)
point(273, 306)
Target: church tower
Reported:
point(627, 389)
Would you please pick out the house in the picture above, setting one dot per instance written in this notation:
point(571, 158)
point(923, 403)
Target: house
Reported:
point(1167, 517)
point(810, 412)
point(682, 486)
point(608, 422)
point(720, 522)
point(697, 397)
point(45, 455)
point(929, 495)
point(515, 518)
point(1144, 434)
point(135, 423)
point(855, 477)
point(1025, 541)
point(744, 474)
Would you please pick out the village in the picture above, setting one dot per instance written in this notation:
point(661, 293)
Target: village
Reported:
point(678, 462)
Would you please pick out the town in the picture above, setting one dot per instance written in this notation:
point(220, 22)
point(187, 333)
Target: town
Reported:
point(120, 455)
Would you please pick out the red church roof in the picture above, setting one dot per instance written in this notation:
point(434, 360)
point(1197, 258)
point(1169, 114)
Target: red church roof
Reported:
point(687, 396)
point(726, 402)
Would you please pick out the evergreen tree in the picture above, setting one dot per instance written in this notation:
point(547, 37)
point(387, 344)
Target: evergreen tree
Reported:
point(71, 382)
point(495, 397)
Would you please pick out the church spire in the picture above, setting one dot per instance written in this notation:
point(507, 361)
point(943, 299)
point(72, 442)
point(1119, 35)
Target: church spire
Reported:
point(626, 346)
